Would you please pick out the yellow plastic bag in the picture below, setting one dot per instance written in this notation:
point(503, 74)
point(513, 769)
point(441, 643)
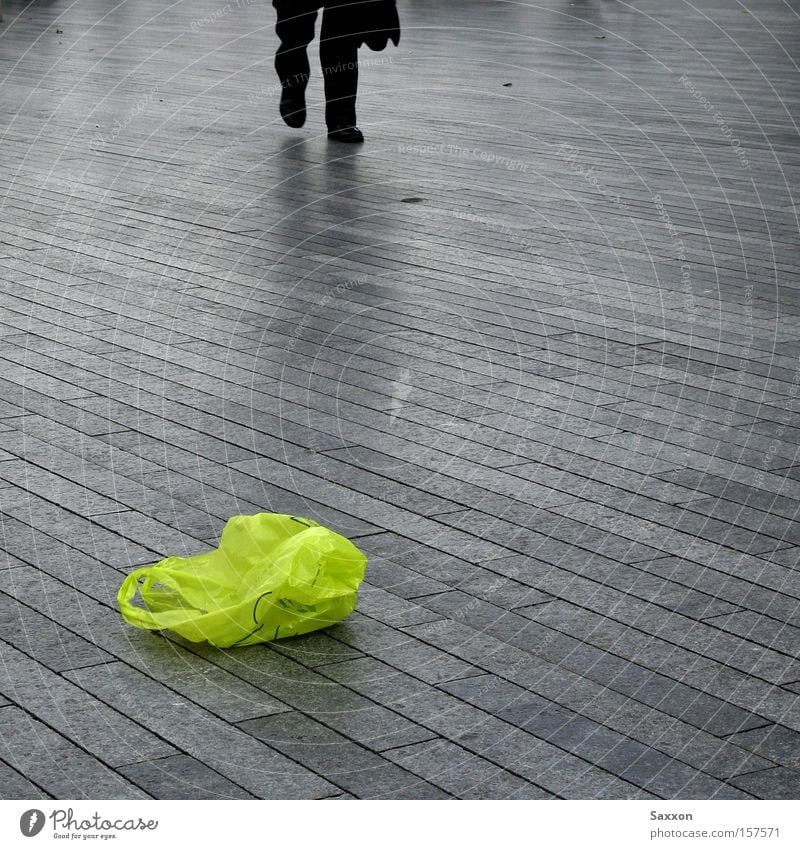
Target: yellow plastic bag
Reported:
point(272, 576)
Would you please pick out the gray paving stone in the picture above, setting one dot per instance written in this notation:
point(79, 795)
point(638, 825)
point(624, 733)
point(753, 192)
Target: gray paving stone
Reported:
point(44, 640)
point(353, 768)
point(391, 609)
point(16, 786)
point(227, 695)
point(60, 768)
point(765, 631)
point(61, 444)
point(316, 649)
point(204, 483)
point(780, 782)
point(415, 555)
point(774, 742)
point(554, 402)
point(360, 719)
point(705, 484)
point(63, 412)
point(150, 533)
point(8, 561)
point(678, 428)
point(752, 576)
point(80, 499)
point(182, 777)
point(82, 591)
point(463, 774)
point(86, 721)
point(185, 414)
point(720, 440)
point(729, 587)
point(759, 521)
point(452, 476)
point(551, 768)
point(664, 527)
point(167, 509)
point(224, 693)
point(387, 516)
point(219, 745)
point(588, 478)
point(177, 455)
point(7, 410)
point(29, 514)
point(397, 579)
point(501, 591)
point(480, 615)
point(400, 650)
point(642, 765)
point(545, 535)
point(786, 556)
point(410, 583)
point(363, 486)
point(601, 666)
point(612, 672)
point(587, 450)
point(52, 387)
point(451, 718)
point(699, 645)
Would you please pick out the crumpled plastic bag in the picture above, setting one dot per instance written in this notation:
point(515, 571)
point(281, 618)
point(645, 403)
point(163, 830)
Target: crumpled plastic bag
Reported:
point(272, 576)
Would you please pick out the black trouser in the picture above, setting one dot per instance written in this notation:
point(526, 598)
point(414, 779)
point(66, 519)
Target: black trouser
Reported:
point(338, 53)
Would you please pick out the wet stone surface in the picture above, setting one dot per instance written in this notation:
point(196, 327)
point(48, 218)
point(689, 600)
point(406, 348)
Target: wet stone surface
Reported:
point(533, 346)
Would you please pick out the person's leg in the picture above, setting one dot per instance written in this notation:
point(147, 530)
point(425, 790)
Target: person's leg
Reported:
point(338, 55)
point(295, 30)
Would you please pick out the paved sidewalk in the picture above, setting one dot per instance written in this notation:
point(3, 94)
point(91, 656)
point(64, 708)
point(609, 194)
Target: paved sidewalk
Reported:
point(535, 347)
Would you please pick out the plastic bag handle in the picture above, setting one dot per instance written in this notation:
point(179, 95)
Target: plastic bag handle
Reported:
point(142, 617)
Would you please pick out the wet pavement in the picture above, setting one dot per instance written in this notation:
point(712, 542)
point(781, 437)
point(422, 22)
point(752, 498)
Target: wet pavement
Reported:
point(534, 347)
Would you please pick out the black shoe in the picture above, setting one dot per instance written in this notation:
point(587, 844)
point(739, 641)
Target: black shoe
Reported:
point(293, 107)
point(350, 135)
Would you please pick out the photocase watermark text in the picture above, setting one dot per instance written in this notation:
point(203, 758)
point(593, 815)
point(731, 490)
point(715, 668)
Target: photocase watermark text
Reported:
point(214, 16)
point(686, 279)
point(475, 153)
point(137, 109)
point(719, 120)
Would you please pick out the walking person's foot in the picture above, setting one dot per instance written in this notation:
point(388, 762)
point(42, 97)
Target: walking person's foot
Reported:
point(346, 133)
point(293, 107)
